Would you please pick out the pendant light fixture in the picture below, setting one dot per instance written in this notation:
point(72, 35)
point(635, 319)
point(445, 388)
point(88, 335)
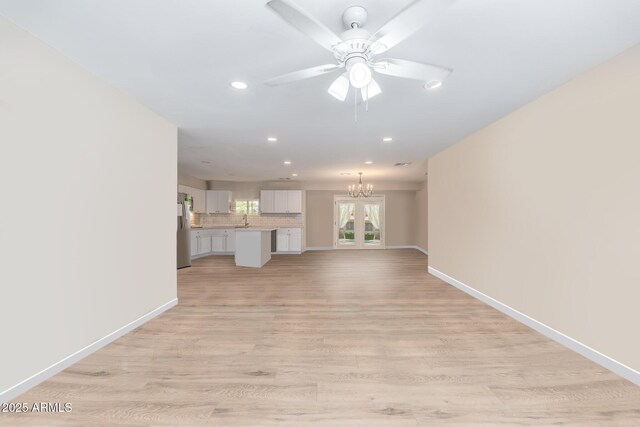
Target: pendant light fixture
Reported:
point(359, 190)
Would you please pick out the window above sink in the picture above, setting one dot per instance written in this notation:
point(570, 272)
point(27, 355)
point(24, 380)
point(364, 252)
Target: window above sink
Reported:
point(250, 207)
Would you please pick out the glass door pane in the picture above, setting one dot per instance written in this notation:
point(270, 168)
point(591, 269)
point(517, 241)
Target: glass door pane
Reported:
point(346, 223)
point(372, 226)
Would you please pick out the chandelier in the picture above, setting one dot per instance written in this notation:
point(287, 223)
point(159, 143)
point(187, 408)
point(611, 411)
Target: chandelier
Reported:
point(359, 190)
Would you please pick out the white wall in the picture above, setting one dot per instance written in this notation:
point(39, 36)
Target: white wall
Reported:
point(541, 210)
point(88, 211)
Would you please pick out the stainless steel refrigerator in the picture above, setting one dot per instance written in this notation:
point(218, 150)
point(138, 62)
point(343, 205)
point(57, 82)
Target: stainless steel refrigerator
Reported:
point(184, 231)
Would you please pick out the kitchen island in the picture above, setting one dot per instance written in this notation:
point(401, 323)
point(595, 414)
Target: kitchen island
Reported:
point(253, 246)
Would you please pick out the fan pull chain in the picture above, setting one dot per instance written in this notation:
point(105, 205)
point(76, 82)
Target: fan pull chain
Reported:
point(355, 105)
point(366, 101)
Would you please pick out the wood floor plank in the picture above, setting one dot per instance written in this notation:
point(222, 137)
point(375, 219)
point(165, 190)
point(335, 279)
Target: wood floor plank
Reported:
point(357, 338)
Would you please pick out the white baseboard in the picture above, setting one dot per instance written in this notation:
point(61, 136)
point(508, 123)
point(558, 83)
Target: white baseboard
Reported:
point(330, 248)
point(211, 254)
point(424, 251)
point(583, 349)
point(47, 373)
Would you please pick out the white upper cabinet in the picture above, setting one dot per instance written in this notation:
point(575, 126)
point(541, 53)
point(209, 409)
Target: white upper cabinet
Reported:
point(294, 201)
point(267, 201)
point(218, 201)
point(281, 201)
point(198, 197)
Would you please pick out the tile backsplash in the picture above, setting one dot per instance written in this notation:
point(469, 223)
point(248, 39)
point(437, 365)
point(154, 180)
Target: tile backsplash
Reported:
point(263, 220)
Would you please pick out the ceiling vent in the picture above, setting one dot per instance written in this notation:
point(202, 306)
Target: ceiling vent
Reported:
point(402, 164)
point(284, 179)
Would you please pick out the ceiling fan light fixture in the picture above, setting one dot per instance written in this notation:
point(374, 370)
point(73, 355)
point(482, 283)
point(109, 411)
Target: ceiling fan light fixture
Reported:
point(433, 84)
point(370, 91)
point(340, 87)
point(359, 75)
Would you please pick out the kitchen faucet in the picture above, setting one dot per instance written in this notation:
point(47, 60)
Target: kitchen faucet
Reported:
point(246, 221)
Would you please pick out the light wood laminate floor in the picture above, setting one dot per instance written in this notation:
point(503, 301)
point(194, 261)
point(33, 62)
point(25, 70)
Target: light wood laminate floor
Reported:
point(359, 338)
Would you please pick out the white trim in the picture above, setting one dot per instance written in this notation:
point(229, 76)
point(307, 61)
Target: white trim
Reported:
point(211, 254)
point(330, 248)
point(47, 373)
point(583, 349)
point(421, 249)
point(424, 251)
point(286, 253)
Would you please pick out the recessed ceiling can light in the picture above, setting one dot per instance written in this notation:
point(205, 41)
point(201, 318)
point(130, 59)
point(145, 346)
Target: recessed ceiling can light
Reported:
point(272, 139)
point(433, 84)
point(387, 139)
point(287, 162)
point(239, 85)
point(368, 162)
point(294, 174)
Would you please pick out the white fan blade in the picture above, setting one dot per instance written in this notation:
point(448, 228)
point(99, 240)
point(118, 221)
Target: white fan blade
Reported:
point(305, 23)
point(370, 91)
point(411, 69)
point(406, 22)
point(340, 87)
point(307, 73)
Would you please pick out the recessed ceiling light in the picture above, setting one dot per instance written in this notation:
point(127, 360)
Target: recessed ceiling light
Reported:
point(433, 84)
point(272, 139)
point(287, 162)
point(368, 162)
point(239, 85)
point(402, 164)
point(387, 139)
point(294, 174)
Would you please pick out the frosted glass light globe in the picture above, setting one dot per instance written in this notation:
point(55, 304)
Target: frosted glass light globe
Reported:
point(359, 75)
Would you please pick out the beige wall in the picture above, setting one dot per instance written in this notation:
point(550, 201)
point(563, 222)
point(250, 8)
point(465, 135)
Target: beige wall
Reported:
point(190, 181)
point(422, 216)
point(400, 212)
point(89, 231)
point(541, 210)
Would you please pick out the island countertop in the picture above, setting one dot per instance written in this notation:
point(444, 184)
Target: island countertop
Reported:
point(255, 229)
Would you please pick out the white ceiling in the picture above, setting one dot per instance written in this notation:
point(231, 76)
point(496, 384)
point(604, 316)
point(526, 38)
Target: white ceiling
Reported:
point(178, 57)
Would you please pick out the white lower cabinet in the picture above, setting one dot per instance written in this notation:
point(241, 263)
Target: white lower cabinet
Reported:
point(217, 244)
point(204, 245)
point(211, 241)
point(230, 240)
point(194, 243)
point(289, 240)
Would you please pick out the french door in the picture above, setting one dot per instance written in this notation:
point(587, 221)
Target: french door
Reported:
point(358, 223)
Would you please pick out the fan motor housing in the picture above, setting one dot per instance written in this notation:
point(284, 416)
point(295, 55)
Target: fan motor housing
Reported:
point(354, 17)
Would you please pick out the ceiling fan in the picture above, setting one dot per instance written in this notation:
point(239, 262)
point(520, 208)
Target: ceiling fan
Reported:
point(356, 49)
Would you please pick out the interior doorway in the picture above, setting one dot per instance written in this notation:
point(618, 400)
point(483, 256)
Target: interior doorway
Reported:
point(358, 223)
